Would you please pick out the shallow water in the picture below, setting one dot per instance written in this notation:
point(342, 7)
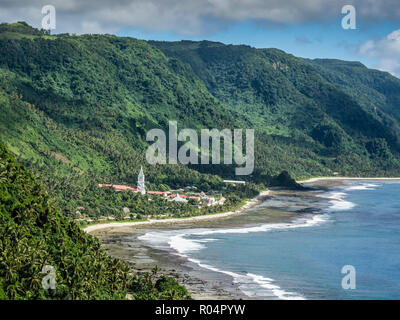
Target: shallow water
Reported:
point(357, 224)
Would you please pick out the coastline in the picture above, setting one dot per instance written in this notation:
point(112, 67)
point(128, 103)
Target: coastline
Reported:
point(125, 244)
point(151, 222)
point(201, 283)
point(317, 179)
point(250, 203)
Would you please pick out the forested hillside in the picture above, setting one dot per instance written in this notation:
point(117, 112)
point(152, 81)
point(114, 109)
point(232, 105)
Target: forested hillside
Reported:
point(75, 110)
point(33, 234)
point(313, 116)
point(378, 92)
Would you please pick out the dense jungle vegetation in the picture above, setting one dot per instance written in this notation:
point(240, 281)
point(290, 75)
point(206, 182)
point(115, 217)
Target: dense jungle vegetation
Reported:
point(34, 233)
point(312, 117)
point(75, 111)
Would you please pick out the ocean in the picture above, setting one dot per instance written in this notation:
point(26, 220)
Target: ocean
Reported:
point(357, 224)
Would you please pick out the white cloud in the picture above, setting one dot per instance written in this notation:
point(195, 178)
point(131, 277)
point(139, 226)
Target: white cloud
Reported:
point(386, 50)
point(189, 16)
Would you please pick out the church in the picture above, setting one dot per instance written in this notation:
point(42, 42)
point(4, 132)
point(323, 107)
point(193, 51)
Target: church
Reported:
point(140, 183)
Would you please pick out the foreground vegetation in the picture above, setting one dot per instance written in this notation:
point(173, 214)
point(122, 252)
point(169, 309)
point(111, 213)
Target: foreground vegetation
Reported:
point(33, 233)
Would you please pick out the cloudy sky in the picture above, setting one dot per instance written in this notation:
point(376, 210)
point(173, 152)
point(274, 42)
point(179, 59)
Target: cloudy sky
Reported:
point(307, 28)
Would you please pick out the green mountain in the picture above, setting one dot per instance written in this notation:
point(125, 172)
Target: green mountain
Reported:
point(75, 110)
point(318, 116)
point(377, 92)
point(35, 234)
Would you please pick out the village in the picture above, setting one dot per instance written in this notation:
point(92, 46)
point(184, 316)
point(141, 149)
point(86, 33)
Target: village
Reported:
point(189, 195)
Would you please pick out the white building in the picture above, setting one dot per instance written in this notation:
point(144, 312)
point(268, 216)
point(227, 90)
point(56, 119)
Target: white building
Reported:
point(140, 183)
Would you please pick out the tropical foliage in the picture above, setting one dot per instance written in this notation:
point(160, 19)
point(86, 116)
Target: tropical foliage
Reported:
point(33, 234)
point(312, 117)
point(75, 111)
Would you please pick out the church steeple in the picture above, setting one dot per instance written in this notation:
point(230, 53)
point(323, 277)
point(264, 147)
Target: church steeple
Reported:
point(140, 184)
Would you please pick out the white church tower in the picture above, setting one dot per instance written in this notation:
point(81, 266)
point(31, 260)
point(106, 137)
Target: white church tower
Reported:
point(140, 182)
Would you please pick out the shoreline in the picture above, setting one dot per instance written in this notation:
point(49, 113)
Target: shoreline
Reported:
point(249, 203)
point(311, 180)
point(201, 283)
